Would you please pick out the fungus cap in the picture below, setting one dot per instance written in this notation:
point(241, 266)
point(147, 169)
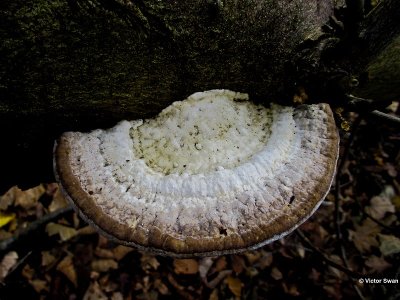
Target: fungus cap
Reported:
point(210, 175)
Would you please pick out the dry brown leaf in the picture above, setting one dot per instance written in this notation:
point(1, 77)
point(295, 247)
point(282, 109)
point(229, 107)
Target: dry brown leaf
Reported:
point(103, 253)
point(364, 237)
point(87, 230)
point(94, 292)
point(389, 244)
point(120, 252)
point(265, 261)
point(103, 242)
point(104, 265)
point(161, 287)
point(117, 296)
point(58, 201)
point(8, 198)
point(252, 272)
point(276, 274)
point(238, 264)
point(39, 285)
point(221, 264)
point(149, 261)
point(63, 231)
point(379, 206)
point(28, 272)
point(252, 256)
point(214, 295)
point(27, 199)
point(186, 266)
point(9, 260)
point(377, 264)
point(291, 289)
point(47, 258)
point(66, 266)
point(234, 285)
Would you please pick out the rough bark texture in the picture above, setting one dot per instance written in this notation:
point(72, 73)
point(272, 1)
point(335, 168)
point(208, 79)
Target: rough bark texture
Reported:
point(80, 64)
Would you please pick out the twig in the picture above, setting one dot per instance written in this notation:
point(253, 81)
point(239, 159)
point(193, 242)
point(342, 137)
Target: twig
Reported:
point(9, 243)
point(386, 116)
point(330, 262)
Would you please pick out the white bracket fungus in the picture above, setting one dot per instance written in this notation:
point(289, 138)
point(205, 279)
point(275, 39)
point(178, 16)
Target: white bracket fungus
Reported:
point(212, 174)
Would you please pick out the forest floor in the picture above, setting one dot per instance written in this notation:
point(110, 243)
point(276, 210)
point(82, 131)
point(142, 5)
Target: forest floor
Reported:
point(48, 252)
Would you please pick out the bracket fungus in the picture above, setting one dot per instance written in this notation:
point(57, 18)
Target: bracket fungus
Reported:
point(210, 175)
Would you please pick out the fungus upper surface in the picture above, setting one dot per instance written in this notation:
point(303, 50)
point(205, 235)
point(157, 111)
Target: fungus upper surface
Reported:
point(210, 175)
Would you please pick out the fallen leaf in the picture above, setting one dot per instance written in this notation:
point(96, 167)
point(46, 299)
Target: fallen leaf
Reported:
point(265, 261)
point(103, 253)
point(377, 264)
point(252, 272)
point(8, 198)
point(120, 251)
point(161, 287)
point(63, 231)
point(6, 218)
point(104, 265)
point(221, 264)
point(389, 244)
point(149, 261)
point(39, 285)
point(87, 230)
point(291, 289)
point(186, 266)
point(335, 258)
point(276, 274)
point(364, 237)
point(28, 272)
point(27, 199)
point(66, 266)
point(252, 256)
point(8, 261)
point(234, 285)
point(47, 258)
point(301, 251)
point(117, 296)
point(238, 264)
point(379, 206)
point(94, 292)
point(214, 295)
point(393, 107)
point(58, 201)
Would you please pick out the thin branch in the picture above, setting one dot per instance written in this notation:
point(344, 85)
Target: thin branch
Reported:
point(330, 262)
point(9, 243)
point(386, 116)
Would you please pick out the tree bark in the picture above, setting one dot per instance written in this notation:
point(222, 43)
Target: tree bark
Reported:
point(80, 64)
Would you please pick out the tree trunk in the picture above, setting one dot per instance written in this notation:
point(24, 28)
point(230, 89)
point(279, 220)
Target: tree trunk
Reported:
point(80, 64)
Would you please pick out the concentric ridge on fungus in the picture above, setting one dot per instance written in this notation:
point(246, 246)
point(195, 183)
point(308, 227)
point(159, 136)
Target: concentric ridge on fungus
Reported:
point(212, 174)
